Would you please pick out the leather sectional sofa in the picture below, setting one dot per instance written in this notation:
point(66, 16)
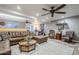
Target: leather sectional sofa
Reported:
point(9, 38)
point(13, 36)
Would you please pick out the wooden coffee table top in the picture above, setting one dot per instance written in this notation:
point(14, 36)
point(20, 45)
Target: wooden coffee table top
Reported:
point(25, 43)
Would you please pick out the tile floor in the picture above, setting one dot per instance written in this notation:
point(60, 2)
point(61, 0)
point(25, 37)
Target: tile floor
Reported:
point(51, 47)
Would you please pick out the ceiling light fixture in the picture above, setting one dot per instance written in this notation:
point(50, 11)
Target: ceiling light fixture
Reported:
point(47, 18)
point(37, 14)
point(18, 7)
point(62, 16)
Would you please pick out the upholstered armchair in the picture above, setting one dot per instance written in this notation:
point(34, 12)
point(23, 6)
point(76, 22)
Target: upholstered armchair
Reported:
point(51, 34)
point(68, 36)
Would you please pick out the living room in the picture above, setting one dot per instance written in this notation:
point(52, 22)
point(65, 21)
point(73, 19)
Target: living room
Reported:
point(39, 29)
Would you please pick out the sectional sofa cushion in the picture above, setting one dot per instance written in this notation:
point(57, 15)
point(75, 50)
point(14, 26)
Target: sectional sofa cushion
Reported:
point(5, 47)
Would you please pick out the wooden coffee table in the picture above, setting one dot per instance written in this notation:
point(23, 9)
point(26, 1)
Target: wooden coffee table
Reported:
point(25, 47)
point(58, 36)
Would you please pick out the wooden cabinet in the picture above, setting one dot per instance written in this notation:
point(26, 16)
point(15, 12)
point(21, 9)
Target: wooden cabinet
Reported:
point(58, 36)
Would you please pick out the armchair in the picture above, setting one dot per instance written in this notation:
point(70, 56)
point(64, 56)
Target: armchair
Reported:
point(69, 35)
point(51, 34)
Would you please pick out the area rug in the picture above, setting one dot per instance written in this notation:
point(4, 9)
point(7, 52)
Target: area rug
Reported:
point(49, 48)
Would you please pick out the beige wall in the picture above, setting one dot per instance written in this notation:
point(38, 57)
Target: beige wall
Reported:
point(50, 26)
point(73, 24)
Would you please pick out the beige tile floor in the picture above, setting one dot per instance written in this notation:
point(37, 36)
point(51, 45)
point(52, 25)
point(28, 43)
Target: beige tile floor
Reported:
point(51, 47)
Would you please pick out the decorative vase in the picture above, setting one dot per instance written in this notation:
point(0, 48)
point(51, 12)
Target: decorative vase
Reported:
point(28, 39)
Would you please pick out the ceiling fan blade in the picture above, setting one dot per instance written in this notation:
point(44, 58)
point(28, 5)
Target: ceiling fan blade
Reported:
point(45, 14)
point(63, 5)
point(60, 12)
point(45, 9)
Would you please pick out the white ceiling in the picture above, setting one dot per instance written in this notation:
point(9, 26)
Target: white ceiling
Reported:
point(28, 10)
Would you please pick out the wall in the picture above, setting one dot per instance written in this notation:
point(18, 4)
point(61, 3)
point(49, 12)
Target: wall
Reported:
point(21, 25)
point(73, 24)
point(50, 26)
point(13, 24)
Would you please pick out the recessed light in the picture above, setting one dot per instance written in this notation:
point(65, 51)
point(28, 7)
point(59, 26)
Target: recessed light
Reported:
point(18, 7)
point(47, 18)
point(37, 14)
point(62, 16)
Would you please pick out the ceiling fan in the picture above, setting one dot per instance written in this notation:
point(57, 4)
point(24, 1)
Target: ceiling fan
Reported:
point(27, 21)
point(54, 10)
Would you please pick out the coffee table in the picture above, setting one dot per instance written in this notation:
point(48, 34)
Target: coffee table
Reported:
point(27, 47)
